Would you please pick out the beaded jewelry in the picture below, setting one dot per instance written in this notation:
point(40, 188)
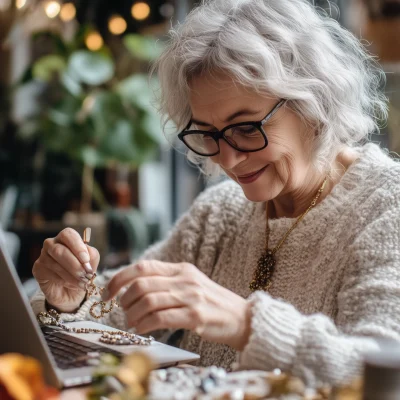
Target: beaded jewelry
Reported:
point(109, 337)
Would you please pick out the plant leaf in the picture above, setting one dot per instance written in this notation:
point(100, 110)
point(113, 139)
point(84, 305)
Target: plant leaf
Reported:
point(142, 47)
point(44, 68)
point(151, 125)
point(137, 90)
point(26, 77)
point(91, 156)
point(90, 68)
point(118, 145)
point(70, 84)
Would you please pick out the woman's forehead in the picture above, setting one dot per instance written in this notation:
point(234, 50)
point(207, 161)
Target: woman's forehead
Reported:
point(220, 90)
point(206, 88)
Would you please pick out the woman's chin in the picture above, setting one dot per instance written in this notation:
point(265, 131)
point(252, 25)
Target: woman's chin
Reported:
point(256, 195)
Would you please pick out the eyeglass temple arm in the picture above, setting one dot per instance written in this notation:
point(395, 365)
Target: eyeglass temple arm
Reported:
point(272, 113)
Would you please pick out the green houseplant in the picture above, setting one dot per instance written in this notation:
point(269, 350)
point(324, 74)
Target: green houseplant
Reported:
point(95, 108)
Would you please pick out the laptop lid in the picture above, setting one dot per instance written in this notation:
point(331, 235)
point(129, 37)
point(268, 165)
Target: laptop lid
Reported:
point(19, 330)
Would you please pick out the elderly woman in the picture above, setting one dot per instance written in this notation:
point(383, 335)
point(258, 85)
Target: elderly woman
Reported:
point(293, 262)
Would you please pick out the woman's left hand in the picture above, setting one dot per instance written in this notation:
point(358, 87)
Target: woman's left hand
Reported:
point(174, 296)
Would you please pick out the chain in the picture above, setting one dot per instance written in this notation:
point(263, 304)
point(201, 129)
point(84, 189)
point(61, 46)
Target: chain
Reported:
point(299, 219)
point(109, 337)
point(93, 290)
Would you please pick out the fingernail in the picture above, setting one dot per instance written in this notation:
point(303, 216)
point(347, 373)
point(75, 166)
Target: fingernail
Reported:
point(105, 294)
point(84, 257)
point(84, 279)
point(89, 276)
point(88, 268)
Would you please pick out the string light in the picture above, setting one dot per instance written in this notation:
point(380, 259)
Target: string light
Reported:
point(52, 9)
point(94, 41)
point(20, 4)
point(117, 25)
point(68, 12)
point(140, 11)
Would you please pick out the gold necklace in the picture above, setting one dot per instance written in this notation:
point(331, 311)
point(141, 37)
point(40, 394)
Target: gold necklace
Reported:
point(266, 264)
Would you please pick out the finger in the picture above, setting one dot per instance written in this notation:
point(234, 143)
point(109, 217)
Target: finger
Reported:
point(71, 238)
point(63, 256)
point(173, 318)
point(47, 269)
point(56, 280)
point(141, 269)
point(142, 286)
point(94, 257)
point(151, 303)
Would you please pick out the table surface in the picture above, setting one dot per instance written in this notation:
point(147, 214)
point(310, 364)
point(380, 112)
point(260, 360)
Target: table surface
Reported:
point(74, 394)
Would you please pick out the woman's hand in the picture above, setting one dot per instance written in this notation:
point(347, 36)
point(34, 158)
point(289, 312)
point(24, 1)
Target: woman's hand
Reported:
point(64, 267)
point(163, 295)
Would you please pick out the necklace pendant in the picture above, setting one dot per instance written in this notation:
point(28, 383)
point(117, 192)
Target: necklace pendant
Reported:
point(263, 273)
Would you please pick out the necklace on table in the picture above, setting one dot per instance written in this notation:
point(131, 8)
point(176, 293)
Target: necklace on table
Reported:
point(266, 263)
point(52, 318)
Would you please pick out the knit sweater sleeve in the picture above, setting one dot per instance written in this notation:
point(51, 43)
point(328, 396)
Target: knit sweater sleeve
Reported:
point(197, 231)
point(312, 346)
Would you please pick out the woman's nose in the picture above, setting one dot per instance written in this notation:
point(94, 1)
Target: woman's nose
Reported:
point(228, 157)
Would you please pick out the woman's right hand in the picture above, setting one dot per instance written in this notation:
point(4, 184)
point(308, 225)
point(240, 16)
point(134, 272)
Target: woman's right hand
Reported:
point(65, 266)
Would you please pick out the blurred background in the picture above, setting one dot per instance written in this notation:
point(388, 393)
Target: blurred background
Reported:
point(81, 141)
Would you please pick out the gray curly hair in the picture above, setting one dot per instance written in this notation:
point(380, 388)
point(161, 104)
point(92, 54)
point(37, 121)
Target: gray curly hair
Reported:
point(285, 49)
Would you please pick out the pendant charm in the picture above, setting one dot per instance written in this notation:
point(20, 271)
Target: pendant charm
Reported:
point(263, 273)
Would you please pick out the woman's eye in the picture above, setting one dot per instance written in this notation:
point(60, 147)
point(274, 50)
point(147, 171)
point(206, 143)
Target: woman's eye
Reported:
point(244, 130)
point(207, 137)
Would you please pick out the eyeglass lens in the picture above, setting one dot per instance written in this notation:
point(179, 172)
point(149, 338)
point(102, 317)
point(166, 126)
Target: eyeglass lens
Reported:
point(245, 138)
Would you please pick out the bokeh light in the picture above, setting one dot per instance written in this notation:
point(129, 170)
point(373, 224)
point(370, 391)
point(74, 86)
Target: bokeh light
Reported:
point(68, 12)
point(20, 3)
point(117, 25)
point(94, 41)
point(52, 8)
point(140, 11)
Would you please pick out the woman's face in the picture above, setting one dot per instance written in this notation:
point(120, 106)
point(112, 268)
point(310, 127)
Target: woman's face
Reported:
point(276, 170)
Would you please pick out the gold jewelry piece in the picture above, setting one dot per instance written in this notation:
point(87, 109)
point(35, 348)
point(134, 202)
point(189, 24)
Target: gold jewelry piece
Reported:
point(266, 263)
point(109, 337)
point(93, 290)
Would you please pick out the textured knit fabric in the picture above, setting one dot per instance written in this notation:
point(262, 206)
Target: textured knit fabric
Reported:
point(337, 280)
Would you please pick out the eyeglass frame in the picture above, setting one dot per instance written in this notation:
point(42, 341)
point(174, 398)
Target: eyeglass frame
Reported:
point(217, 135)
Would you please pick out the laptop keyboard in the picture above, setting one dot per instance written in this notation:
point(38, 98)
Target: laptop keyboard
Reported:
point(70, 352)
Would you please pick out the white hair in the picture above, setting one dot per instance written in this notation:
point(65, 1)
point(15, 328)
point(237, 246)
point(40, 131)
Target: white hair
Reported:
point(285, 49)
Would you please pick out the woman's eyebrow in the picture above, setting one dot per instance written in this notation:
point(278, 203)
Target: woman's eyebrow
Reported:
point(231, 117)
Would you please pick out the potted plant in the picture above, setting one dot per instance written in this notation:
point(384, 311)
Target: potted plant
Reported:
point(95, 108)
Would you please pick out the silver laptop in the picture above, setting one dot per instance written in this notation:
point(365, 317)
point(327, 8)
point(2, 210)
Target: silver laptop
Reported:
point(64, 356)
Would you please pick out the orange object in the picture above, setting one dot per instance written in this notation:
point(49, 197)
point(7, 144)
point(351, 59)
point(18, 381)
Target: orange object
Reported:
point(21, 378)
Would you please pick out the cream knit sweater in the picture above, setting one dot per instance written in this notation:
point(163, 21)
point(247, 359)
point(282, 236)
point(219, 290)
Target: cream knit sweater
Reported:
point(337, 278)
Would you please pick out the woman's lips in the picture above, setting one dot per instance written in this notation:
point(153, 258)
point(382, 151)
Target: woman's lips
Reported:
point(252, 177)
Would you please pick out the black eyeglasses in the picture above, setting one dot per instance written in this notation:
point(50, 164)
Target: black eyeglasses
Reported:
point(244, 136)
